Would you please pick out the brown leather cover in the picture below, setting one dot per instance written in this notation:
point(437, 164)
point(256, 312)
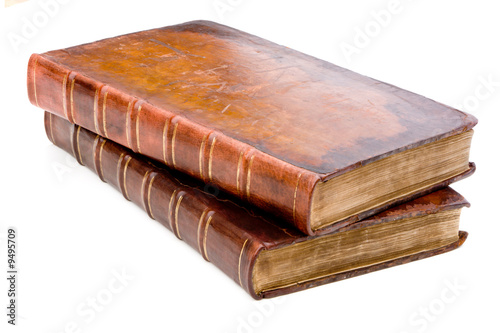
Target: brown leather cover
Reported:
point(262, 121)
point(227, 233)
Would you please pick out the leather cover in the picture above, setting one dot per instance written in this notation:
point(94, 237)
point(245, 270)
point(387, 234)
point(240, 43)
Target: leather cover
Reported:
point(262, 121)
point(226, 232)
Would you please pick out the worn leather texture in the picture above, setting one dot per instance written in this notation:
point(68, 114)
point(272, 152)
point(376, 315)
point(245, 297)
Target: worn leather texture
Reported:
point(226, 232)
point(262, 121)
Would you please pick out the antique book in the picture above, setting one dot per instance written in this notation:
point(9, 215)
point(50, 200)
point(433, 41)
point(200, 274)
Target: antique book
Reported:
point(262, 254)
point(314, 143)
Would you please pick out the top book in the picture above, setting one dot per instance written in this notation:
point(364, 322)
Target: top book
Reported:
point(314, 143)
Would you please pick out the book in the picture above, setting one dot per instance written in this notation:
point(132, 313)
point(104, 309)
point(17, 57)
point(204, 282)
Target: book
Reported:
point(263, 254)
point(314, 143)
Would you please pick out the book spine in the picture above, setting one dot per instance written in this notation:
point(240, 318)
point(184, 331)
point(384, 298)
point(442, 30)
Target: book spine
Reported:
point(169, 137)
point(193, 216)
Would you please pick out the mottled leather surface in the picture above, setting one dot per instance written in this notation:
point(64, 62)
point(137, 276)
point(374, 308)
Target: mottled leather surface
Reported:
point(224, 230)
point(297, 108)
point(262, 121)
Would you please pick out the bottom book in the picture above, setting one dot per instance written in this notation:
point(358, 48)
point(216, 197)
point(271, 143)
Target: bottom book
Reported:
point(259, 252)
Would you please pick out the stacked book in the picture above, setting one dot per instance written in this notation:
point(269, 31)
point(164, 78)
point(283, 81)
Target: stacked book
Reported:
point(283, 170)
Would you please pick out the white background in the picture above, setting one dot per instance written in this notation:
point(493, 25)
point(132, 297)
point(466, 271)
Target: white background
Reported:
point(75, 233)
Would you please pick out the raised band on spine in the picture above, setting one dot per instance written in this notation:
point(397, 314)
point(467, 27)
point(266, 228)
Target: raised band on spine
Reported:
point(98, 146)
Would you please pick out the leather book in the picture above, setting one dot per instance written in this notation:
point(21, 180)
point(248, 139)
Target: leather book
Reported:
point(262, 254)
point(314, 143)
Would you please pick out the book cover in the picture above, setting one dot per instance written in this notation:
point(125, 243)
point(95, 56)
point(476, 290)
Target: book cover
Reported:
point(236, 239)
point(266, 123)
